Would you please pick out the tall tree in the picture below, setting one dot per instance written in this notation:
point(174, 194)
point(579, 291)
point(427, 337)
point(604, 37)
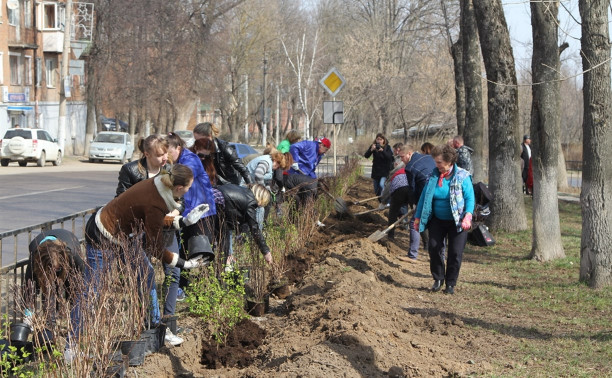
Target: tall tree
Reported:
point(508, 209)
point(456, 51)
point(596, 196)
point(473, 133)
point(545, 131)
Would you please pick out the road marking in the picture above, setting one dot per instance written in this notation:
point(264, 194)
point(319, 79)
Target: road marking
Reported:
point(36, 193)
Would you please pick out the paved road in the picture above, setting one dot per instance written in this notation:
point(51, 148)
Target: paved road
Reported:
point(32, 195)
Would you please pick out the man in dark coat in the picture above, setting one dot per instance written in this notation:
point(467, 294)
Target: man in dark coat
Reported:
point(418, 169)
point(526, 156)
point(464, 154)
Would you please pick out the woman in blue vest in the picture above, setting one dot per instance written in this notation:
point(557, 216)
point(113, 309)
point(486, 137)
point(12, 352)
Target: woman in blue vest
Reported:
point(445, 208)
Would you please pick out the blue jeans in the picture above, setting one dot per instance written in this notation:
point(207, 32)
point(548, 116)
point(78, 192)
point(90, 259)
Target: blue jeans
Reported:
point(379, 185)
point(171, 283)
point(93, 271)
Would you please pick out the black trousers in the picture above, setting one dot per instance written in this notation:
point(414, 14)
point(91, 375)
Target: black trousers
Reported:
point(438, 230)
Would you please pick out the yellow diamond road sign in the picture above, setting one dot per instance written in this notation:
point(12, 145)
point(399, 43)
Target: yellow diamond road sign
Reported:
point(333, 82)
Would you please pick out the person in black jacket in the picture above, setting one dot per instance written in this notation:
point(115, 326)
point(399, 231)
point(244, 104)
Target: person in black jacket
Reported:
point(240, 209)
point(383, 161)
point(154, 151)
point(227, 163)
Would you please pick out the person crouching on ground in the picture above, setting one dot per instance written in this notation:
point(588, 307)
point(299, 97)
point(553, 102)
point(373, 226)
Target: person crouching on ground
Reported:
point(445, 208)
point(54, 257)
point(145, 205)
point(241, 209)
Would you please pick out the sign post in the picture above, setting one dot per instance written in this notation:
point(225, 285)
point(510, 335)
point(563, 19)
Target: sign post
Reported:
point(333, 82)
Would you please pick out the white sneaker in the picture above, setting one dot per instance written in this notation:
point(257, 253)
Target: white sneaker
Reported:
point(70, 355)
point(173, 339)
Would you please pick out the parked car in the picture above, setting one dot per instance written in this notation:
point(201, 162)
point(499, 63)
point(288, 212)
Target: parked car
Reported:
point(25, 145)
point(243, 149)
point(111, 145)
point(110, 124)
point(187, 136)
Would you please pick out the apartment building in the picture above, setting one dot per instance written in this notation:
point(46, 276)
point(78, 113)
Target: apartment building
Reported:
point(31, 53)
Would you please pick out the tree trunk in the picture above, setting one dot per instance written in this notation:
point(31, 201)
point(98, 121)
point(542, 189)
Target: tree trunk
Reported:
point(596, 196)
point(92, 119)
point(185, 109)
point(545, 132)
point(505, 180)
point(561, 170)
point(473, 134)
point(457, 54)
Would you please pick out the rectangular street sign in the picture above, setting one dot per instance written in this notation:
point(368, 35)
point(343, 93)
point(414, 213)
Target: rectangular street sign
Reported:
point(333, 112)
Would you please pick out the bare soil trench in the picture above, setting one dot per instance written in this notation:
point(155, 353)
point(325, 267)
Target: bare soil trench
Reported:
point(356, 311)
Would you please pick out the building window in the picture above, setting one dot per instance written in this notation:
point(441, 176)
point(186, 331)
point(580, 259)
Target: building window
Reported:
point(51, 67)
point(16, 62)
point(50, 16)
point(13, 13)
point(38, 71)
point(28, 70)
point(27, 13)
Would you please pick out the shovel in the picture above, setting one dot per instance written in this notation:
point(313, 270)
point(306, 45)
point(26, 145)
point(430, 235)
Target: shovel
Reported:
point(339, 203)
point(377, 235)
point(370, 211)
point(365, 200)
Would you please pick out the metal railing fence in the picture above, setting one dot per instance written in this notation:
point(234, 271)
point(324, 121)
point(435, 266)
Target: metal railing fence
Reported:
point(14, 244)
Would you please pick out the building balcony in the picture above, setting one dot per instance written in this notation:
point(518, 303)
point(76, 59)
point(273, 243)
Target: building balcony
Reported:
point(53, 41)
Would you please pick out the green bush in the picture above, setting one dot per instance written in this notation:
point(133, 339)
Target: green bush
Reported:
point(218, 302)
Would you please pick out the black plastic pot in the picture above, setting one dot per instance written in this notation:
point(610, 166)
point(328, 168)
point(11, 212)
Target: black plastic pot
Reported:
point(258, 307)
point(20, 332)
point(45, 339)
point(25, 350)
point(135, 350)
point(4, 347)
point(154, 338)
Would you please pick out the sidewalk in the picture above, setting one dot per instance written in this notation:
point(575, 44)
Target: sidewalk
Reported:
point(69, 164)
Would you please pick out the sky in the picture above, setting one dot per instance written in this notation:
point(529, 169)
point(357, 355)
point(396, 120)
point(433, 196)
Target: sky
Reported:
point(518, 18)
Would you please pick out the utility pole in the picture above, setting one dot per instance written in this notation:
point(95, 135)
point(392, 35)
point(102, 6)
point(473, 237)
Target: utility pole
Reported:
point(246, 109)
point(64, 82)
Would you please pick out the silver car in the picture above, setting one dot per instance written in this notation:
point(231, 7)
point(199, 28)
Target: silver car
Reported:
point(111, 145)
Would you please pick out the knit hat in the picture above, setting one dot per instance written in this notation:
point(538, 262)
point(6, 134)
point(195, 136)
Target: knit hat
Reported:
point(325, 142)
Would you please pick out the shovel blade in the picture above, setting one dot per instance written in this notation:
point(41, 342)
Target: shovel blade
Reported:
point(376, 236)
point(340, 206)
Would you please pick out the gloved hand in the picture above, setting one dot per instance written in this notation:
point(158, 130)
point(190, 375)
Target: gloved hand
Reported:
point(193, 263)
point(466, 223)
point(177, 222)
point(417, 221)
point(268, 257)
point(195, 214)
point(27, 318)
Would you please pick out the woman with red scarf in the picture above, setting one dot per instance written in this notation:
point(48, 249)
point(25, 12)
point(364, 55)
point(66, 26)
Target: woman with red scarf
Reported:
point(445, 208)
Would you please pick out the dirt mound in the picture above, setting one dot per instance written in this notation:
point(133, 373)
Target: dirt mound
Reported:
point(235, 351)
point(355, 311)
